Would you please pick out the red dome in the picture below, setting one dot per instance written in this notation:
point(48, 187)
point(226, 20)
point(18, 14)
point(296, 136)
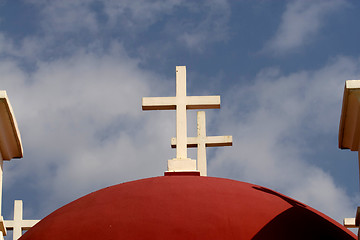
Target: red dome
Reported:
point(186, 207)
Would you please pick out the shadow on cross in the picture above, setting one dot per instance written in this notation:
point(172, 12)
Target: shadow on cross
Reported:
point(298, 222)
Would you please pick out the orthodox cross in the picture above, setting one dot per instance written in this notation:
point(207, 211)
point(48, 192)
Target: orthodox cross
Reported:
point(202, 141)
point(18, 224)
point(181, 102)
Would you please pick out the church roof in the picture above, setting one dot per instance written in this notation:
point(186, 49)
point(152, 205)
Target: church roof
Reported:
point(186, 207)
point(10, 140)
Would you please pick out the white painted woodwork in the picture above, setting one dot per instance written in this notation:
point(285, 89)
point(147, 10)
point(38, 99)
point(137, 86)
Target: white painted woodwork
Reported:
point(349, 129)
point(19, 224)
point(202, 141)
point(2, 228)
point(181, 165)
point(353, 222)
point(181, 102)
point(350, 223)
point(10, 141)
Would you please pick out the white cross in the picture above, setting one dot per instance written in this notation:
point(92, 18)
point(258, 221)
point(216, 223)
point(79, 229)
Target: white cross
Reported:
point(202, 141)
point(18, 224)
point(181, 103)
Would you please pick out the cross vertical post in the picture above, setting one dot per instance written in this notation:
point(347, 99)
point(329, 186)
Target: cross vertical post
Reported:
point(181, 120)
point(19, 224)
point(201, 148)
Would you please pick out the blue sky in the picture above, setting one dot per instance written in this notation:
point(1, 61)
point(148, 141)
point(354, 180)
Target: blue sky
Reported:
point(75, 72)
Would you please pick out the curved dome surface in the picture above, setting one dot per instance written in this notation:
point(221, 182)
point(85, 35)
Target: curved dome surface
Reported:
point(186, 207)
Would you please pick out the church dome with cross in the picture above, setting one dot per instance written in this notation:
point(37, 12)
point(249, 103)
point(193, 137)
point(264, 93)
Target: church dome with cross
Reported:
point(184, 203)
point(186, 207)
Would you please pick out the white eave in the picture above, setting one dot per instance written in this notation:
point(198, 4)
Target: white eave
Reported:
point(10, 140)
point(349, 129)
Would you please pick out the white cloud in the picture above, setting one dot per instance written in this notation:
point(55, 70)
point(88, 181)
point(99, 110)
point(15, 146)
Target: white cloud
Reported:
point(80, 112)
point(82, 125)
point(300, 23)
point(213, 28)
point(193, 33)
point(136, 15)
point(83, 129)
point(66, 16)
point(273, 122)
point(127, 19)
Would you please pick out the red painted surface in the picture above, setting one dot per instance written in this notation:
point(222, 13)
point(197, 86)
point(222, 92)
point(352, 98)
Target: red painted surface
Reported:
point(186, 207)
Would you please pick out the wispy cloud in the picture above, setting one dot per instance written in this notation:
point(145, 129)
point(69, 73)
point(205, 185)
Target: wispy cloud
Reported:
point(300, 24)
point(67, 16)
point(275, 121)
point(82, 124)
point(213, 28)
point(79, 107)
point(138, 15)
point(79, 110)
point(70, 24)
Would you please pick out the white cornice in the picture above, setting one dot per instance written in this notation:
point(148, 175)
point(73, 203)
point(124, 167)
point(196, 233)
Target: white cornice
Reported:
point(10, 140)
point(349, 129)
